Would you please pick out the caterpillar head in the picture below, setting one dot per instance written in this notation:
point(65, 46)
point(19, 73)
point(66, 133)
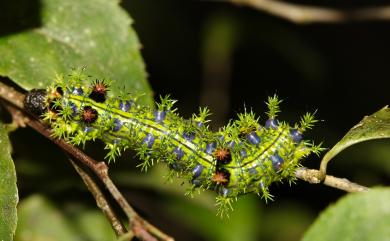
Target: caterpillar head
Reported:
point(35, 102)
point(41, 101)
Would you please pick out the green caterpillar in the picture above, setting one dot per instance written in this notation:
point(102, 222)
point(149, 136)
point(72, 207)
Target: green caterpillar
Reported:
point(242, 157)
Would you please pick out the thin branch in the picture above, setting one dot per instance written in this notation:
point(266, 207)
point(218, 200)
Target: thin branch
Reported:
point(306, 14)
point(11, 95)
point(101, 200)
point(140, 227)
point(313, 176)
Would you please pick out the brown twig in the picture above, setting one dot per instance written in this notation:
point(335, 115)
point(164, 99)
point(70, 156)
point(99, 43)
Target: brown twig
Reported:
point(314, 176)
point(305, 14)
point(101, 200)
point(11, 95)
point(140, 227)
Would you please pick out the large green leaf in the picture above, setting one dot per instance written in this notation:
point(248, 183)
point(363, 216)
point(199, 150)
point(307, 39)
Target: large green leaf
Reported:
point(360, 216)
point(375, 126)
point(8, 189)
point(76, 33)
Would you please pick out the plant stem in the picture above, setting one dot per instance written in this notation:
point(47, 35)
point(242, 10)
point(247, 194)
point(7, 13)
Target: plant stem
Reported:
point(306, 14)
point(314, 176)
point(139, 226)
point(101, 200)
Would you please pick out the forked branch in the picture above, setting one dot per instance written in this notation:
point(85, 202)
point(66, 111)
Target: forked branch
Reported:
point(140, 228)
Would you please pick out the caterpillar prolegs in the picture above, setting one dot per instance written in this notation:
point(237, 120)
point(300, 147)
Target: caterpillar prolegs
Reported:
point(242, 157)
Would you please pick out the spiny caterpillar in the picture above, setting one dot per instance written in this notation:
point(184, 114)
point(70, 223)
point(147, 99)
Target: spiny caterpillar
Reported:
point(240, 158)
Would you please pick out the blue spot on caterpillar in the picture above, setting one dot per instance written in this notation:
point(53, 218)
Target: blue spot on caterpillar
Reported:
point(242, 157)
point(253, 138)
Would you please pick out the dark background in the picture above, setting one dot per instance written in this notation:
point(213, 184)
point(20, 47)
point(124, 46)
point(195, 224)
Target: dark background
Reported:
point(341, 70)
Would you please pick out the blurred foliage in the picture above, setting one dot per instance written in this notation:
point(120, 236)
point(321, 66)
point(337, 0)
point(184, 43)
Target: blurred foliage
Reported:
point(360, 216)
point(341, 69)
point(40, 220)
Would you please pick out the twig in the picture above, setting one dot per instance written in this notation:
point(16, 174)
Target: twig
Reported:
point(11, 95)
point(101, 200)
point(314, 176)
point(305, 14)
point(140, 227)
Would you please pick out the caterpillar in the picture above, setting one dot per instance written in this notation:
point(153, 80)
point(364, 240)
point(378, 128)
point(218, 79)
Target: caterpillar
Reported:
point(241, 157)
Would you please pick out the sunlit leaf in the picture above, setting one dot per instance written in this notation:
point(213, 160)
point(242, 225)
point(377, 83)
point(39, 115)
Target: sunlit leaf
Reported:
point(77, 33)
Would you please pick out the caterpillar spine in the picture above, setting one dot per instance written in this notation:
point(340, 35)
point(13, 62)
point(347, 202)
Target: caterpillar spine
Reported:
point(240, 158)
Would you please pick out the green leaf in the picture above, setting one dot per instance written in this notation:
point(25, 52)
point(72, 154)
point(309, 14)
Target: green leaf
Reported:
point(94, 226)
point(358, 216)
point(375, 126)
point(8, 189)
point(73, 34)
point(40, 220)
